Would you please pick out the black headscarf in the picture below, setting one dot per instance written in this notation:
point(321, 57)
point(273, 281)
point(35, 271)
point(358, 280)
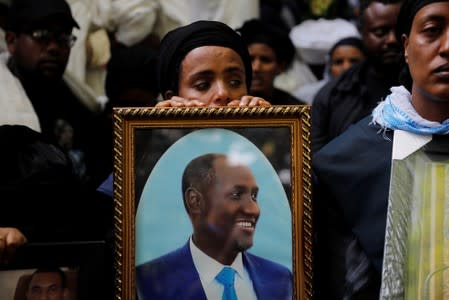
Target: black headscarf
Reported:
point(257, 31)
point(131, 67)
point(356, 42)
point(403, 26)
point(408, 11)
point(177, 43)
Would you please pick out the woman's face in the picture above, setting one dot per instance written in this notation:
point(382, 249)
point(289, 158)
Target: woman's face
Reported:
point(265, 69)
point(213, 75)
point(343, 57)
point(427, 52)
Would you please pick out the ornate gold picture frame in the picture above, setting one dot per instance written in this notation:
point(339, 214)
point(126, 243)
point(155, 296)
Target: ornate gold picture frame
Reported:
point(153, 145)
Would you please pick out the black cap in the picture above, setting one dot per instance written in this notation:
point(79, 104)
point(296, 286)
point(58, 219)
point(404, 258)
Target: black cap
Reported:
point(24, 13)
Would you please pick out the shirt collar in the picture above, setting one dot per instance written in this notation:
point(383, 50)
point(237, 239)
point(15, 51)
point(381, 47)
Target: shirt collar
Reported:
point(208, 267)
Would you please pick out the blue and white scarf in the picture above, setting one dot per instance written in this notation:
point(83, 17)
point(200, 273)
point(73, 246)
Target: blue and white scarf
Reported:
point(397, 112)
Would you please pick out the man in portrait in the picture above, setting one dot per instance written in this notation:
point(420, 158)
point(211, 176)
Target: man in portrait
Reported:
point(220, 198)
point(47, 283)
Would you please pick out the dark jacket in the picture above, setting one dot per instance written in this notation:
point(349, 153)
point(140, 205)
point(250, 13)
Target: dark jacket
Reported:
point(281, 97)
point(345, 100)
point(66, 121)
point(350, 207)
point(173, 276)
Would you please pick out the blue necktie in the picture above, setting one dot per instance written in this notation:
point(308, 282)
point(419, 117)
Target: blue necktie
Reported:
point(226, 278)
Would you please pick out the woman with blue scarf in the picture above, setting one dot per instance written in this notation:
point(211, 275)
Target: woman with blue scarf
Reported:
point(353, 190)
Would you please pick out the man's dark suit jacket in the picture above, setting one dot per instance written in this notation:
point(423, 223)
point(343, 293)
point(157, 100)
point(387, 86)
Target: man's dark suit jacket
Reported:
point(173, 276)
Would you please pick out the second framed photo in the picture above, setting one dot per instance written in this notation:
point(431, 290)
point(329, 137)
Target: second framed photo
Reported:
point(70, 270)
point(196, 189)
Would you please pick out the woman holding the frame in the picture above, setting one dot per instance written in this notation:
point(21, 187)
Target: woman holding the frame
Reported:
point(205, 64)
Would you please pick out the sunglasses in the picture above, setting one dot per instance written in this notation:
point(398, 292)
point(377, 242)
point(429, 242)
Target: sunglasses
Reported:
point(44, 36)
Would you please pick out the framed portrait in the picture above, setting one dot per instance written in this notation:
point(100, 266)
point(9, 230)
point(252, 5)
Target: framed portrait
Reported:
point(39, 266)
point(155, 150)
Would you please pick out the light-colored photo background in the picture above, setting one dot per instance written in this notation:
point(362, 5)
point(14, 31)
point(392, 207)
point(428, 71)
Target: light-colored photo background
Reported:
point(162, 224)
point(8, 282)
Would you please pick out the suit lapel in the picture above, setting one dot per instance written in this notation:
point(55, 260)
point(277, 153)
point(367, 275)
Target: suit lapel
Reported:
point(258, 279)
point(190, 283)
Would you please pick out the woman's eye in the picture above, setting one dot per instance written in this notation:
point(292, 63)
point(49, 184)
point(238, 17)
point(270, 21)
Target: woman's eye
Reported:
point(266, 60)
point(337, 62)
point(433, 30)
point(236, 83)
point(202, 86)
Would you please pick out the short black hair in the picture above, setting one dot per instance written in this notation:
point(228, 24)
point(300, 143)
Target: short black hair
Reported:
point(348, 41)
point(258, 31)
point(51, 269)
point(363, 5)
point(200, 172)
point(131, 67)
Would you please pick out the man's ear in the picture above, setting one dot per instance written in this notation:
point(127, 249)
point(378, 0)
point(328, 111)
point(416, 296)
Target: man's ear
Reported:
point(10, 38)
point(168, 94)
point(193, 199)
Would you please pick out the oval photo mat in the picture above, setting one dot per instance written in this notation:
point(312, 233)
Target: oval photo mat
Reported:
point(162, 224)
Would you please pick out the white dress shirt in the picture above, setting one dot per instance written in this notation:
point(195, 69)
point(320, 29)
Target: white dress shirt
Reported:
point(208, 268)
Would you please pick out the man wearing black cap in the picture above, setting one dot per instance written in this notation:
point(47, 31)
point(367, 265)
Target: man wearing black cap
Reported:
point(39, 39)
point(36, 25)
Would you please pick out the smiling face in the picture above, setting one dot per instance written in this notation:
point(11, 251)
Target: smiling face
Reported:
point(226, 223)
point(212, 74)
point(427, 55)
